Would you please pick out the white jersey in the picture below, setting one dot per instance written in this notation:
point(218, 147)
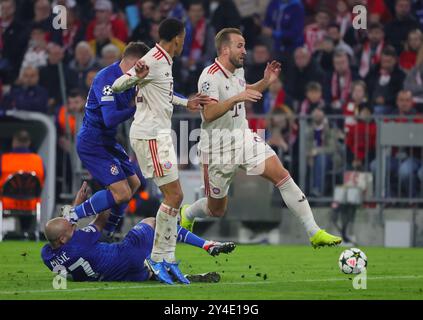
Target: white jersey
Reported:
point(154, 99)
point(227, 131)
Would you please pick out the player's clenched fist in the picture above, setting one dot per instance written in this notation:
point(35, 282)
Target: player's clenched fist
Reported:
point(249, 95)
point(141, 69)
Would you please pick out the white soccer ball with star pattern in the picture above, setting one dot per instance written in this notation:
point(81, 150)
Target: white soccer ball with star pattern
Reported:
point(352, 261)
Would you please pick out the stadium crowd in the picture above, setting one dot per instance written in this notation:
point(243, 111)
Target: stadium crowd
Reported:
point(329, 67)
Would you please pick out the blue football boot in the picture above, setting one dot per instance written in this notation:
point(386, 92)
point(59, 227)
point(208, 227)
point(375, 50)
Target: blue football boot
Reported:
point(159, 270)
point(174, 270)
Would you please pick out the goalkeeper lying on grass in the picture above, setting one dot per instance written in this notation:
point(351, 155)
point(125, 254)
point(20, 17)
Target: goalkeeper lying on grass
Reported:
point(87, 259)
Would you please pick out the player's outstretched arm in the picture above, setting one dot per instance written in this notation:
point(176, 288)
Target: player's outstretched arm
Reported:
point(271, 73)
point(133, 77)
point(215, 110)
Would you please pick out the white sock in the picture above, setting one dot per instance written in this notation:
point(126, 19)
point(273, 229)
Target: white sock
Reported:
point(298, 204)
point(198, 209)
point(165, 234)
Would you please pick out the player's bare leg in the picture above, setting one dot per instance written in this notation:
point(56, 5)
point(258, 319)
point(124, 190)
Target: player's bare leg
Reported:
point(296, 202)
point(121, 190)
point(163, 258)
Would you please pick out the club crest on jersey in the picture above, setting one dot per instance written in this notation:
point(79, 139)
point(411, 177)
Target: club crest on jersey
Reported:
point(205, 87)
point(216, 190)
point(107, 90)
point(167, 165)
point(114, 170)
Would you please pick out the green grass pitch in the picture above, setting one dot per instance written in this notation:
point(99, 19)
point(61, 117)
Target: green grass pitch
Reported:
point(250, 272)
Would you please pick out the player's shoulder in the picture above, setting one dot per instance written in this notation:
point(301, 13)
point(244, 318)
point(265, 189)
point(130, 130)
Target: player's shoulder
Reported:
point(157, 56)
point(211, 72)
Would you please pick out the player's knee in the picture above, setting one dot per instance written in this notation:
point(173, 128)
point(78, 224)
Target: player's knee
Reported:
point(122, 196)
point(150, 221)
point(217, 212)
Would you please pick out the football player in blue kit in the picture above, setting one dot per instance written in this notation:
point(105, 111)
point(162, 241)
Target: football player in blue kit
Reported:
point(87, 259)
point(100, 153)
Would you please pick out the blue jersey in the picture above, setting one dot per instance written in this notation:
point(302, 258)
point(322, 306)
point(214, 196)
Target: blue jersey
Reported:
point(87, 259)
point(104, 109)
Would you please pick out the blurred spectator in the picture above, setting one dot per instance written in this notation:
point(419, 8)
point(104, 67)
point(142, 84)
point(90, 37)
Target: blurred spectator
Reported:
point(272, 98)
point(104, 15)
point(56, 76)
point(313, 100)
point(398, 29)
point(199, 48)
point(343, 16)
point(334, 32)
point(224, 15)
point(321, 146)
point(314, 33)
point(406, 162)
point(148, 14)
point(103, 36)
point(254, 123)
point(83, 62)
point(284, 22)
point(13, 40)
point(324, 54)
point(282, 130)
point(172, 9)
point(153, 35)
point(66, 118)
point(21, 158)
point(74, 32)
point(36, 54)
point(371, 52)
point(254, 70)
point(43, 16)
point(408, 57)
point(28, 95)
point(414, 83)
point(357, 101)
point(90, 77)
point(299, 73)
point(109, 55)
point(340, 82)
point(361, 140)
point(384, 82)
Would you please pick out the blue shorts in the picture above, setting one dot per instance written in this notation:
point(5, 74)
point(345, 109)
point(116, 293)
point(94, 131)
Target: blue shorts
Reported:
point(137, 245)
point(107, 164)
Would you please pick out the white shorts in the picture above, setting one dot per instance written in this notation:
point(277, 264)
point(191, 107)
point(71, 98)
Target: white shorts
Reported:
point(219, 170)
point(157, 159)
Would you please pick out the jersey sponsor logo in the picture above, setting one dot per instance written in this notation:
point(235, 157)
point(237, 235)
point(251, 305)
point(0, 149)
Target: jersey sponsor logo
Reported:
point(114, 170)
point(167, 165)
point(107, 90)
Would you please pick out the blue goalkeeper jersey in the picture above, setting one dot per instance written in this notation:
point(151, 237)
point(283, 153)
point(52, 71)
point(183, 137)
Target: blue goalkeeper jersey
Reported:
point(87, 259)
point(105, 110)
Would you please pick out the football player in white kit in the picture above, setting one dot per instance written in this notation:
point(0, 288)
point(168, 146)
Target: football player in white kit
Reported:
point(150, 137)
point(226, 142)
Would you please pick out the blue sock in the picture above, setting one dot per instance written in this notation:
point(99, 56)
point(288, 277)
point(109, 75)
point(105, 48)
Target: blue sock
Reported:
point(100, 201)
point(188, 237)
point(116, 215)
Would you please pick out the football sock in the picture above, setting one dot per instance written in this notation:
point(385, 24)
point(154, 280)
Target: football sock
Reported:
point(99, 202)
point(116, 215)
point(198, 209)
point(297, 203)
point(165, 234)
point(188, 237)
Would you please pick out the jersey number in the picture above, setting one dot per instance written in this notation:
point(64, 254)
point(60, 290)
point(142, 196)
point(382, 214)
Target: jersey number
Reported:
point(85, 265)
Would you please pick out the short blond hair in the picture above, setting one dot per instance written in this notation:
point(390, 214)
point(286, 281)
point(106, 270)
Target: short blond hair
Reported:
point(223, 37)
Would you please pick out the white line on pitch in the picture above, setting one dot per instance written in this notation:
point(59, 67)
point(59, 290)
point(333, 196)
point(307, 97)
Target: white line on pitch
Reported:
point(226, 284)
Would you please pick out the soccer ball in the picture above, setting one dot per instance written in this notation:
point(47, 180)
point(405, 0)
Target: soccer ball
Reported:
point(352, 261)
